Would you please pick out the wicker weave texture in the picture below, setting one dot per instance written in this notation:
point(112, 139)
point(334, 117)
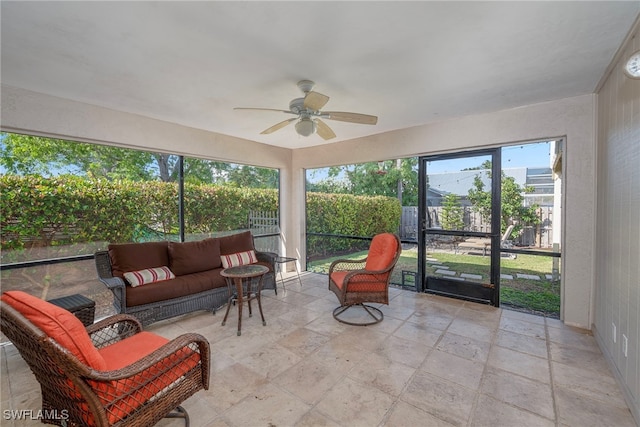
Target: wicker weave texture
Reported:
point(359, 285)
point(211, 300)
point(137, 395)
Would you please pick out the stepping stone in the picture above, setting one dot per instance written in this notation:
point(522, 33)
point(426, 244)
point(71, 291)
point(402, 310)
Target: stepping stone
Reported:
point(506, 276)
point(444, 267)
point(528, 276)
point(471, 276)
point(431, 260)
point(446, 272)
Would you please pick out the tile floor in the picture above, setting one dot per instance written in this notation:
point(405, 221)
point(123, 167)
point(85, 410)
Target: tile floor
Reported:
point(433, 361)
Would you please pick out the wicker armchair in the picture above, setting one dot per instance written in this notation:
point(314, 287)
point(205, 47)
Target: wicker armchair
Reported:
point(140, 377)
point(367, 280)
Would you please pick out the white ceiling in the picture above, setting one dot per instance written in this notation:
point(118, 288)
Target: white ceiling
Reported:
point(409, 63)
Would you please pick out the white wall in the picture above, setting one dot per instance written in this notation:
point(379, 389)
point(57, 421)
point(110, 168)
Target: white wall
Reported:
point(573, 118)
point(617, 297)
point(37, 114)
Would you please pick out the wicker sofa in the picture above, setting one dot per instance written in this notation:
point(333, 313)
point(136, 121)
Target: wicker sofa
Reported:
point(197, 284)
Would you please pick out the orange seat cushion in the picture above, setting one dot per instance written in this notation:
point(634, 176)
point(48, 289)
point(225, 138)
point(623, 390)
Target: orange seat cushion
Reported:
point(59, 324)
point(122, 397)
point(382, 251)
point(360, 283)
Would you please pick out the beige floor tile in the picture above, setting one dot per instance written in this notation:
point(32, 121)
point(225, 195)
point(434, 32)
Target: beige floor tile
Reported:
point(575, 409)
point(315, 419)
point(271, 360)
point(382, 373)
point(515, 390)
point(309, 380)
point(527, 317)
point(404, 351)
point(396, 311)
point(522, 343)
point(352, 403)
point(480, 313)
point(425, 364)
point(267, 406)
point(465, 347)
point(418, 332)
point(522, 327)
point(435, 320)
point(303, 341)
point(442, 399)
point(492, 412)
point(597, 385)
point(471, 329)
point(522, 364)
point(453, 368)
point(404, 415)
point(574, 337)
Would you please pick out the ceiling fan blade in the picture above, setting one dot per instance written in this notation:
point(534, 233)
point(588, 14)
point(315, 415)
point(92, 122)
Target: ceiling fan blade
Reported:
point(278, 126)
point(264, 109)
point(323, 130)
point(315, 101)
point(363, 119)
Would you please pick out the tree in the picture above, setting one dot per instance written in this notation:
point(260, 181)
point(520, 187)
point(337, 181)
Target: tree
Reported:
point(513, 210)
point(27, 155)
point(373, 179)
point(452, 213)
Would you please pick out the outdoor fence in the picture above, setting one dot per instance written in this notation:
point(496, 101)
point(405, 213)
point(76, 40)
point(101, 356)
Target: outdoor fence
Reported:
point(535, 235)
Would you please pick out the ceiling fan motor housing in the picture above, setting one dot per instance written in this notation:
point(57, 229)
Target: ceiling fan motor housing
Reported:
point(297, 105)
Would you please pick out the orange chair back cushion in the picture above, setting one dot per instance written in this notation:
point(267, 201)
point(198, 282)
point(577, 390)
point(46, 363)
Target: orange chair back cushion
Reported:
point(59, 324)
point(381, 252)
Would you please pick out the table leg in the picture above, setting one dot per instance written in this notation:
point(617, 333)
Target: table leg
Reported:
point(239, 290)
point(264, 323)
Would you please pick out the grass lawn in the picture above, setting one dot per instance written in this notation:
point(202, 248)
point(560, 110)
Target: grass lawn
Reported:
point(538, 296)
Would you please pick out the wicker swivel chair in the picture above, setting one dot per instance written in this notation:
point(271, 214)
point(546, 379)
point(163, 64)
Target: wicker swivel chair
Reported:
point(111, 373)
point(367, 280)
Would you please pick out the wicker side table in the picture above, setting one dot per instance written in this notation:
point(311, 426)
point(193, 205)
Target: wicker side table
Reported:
point(81, 307)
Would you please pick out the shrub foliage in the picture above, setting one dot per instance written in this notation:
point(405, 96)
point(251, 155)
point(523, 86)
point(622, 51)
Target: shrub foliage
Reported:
point(37, 212)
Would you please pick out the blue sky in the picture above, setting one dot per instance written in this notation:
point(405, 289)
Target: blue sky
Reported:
point(527, 155)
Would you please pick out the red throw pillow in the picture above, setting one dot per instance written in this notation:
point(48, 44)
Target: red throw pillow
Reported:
point(58, 324)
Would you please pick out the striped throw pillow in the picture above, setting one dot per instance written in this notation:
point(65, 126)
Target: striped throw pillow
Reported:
point(240, 258)
point(148, 275)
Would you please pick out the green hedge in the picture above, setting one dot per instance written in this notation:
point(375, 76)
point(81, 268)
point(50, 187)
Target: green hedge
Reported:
point(348, 215)
point(40, 212)
point(36, 211)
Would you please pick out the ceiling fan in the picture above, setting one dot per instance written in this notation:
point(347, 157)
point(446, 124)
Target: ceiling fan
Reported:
point(308, 114)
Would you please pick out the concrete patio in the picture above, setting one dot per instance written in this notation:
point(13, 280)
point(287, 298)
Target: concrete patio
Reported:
point(433, 361)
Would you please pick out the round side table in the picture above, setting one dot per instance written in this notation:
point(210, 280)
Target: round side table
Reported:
point(243, 287)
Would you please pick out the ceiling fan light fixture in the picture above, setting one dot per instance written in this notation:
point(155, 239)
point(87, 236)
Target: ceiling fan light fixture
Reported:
point(305, 126)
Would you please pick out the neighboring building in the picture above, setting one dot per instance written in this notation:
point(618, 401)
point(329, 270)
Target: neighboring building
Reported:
point(459, 183)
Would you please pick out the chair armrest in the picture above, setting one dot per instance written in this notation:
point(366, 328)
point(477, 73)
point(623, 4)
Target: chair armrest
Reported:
point(347, 264)
point(112, 329)
point(113, 282)
point(105, 275)
point(269, 257)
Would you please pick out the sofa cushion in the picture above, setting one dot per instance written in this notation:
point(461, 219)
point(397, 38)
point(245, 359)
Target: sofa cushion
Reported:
point(180, 286)
point(149, 275)
point(235, 243)
point(194, 257)
point(59, 324)
point(239, 258)
point(137, 256)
